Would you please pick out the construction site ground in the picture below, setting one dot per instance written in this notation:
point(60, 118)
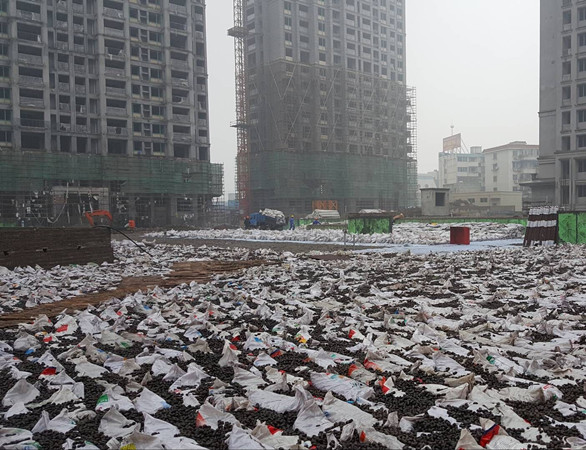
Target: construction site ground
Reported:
point(293, 247)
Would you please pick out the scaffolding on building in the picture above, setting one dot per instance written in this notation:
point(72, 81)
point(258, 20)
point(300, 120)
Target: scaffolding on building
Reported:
point(239, 32)
point(412, 145)
point(324, 133)
point(56, 189)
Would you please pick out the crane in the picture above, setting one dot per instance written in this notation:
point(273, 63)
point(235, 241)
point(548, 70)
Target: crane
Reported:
point(239, 32)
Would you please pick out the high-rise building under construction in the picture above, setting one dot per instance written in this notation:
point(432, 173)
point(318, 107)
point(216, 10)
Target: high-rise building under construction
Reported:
point(330, 118)
point(103, 105)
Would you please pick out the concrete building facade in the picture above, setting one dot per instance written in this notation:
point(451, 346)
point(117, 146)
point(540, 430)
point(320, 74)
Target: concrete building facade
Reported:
point(462, 172)
point(509, 166)
point(115, 88)
point(561, 178)
point(330, 116)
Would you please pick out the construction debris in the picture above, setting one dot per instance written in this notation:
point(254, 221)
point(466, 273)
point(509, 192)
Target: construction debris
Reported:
point(463, 350)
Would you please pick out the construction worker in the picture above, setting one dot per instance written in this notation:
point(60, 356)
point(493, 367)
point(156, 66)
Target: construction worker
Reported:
point(247, 223)
point(292, 222)
point(316, 221)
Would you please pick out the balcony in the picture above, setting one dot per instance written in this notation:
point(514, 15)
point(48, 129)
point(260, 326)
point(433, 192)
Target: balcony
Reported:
point(80, 89)
point(120, 92)
point(64, 87)
point(64, 107)
point(179, 9)
point(81, 129)
point(117, 54)
point(183, 118)
point(179, 64)
point(33, 123)
point(178, 26)
point(30, 59)
point(115, 72)
point(64, 127)
point(184, 101)
point(119, 112)
point(79, 48)
point(28, 15)
point(77, 8)
point(117, 131)
point(63, 67)
point(61, 25)
point(182, 137)
point(30, 102)
point(61, 45)
point(112, 12)
point(30, 38)
point(113, 32)
point(180, 82)
point(30, 81)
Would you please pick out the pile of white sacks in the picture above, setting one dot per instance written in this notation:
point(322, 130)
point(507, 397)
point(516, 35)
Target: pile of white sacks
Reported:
point(469, 350)
point(26, 287)
point(404, 233)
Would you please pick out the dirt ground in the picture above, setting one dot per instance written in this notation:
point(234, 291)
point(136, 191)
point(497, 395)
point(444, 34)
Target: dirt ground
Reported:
point(293, 247)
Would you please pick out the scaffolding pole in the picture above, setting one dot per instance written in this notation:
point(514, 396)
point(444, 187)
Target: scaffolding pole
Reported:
point(240, 33)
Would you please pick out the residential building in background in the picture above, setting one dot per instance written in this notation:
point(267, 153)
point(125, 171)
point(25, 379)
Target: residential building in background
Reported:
point(104, 105)
point(509, 166)
point(462, 171)
point(330, 117)
point(561, 178)
point(501, 171)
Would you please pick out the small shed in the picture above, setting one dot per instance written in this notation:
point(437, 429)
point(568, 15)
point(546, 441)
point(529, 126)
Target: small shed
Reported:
point(371, 222)
point(435, 202)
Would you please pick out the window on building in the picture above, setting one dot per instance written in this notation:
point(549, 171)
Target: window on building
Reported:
point(440, 199)
point(581, 165)
point(566, 143)
point(566, 118)
point(581, 113)
point(582, 65)
point(5, 115)
point(581, 90)
point(581, 141)
point(582, 13)
point(567, 17)
point(5, 136)
point(581, 39)
point(581, 190)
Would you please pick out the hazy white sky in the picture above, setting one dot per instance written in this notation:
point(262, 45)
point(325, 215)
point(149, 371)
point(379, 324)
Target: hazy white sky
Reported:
point(475, 64)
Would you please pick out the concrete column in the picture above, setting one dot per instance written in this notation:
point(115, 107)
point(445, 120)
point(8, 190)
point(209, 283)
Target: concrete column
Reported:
point(168, 85)
point(573, 193)
point(102, 78)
